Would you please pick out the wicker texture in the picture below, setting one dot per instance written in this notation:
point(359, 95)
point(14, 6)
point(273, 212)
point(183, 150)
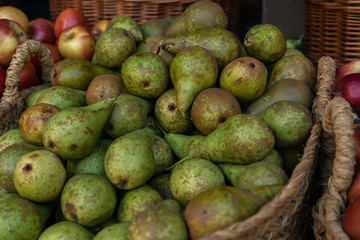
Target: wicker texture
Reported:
point(141, 11)
point(339, 160)
point(332, 29)
point(281, 217)
point(12, 102)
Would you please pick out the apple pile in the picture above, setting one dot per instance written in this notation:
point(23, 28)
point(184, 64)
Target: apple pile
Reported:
point(171, 121)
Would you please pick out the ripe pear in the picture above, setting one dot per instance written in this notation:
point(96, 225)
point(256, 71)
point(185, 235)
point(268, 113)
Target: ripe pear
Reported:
point(161, 184)
point(265, 42)
point(19, 219)
point(88, 199)
point(62, 97)
point(274, 157)
point(285, 89)
point(297, 67)
point(241, 131)
point(31, 99)
point(152, 123)
point(245, 78)
point(93, 163)
point(204, 72)
point(223, 44)
point(162, 222)
point(104, 86)
point(135, 201)
point(39, 176)
point(197, 16)
point(127, 23)
point(73, 132)
point(33, 120)
point(163, 155)
point(112, 54)
point(148, 43)
point(290, 122)
point(66, 230)
point(156, 26)
point(168, 115)
point(116, 231)
point(254, 174)
point(145, 74)
point(11, 137)
point(168, 57)
point(193, 176)
point(8, 159)
point(128, 114)
point(221, 206)
point(181, 143)
point(212, 107)
point(129, 161)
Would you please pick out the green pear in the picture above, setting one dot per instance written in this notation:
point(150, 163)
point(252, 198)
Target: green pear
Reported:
point(163, 155)
point(181, 143)
point(110, 53)
point(223, 44)
point(8, 159)
point(128, 114)
point(221, 206)
point(161, 184)
point(135, 201)
point(110, 221)
point(204, 72)
point(290, 122)
point(294, 43)
point(93, 163)
point(31, 99)
point(285, 89)
point(73, 132)
point(197, 16)
point(254, 174)
point(193, 176)
point(152, 123)
point(212, 107)
point(162, 222)
point(11, 137)
point(274, 157)
point(145, 74)
point(291, 157)
point(19, 219)
point(127, 23)
point(265, 42)
point(39, 176)
point(88, 199)
point(168, 114)
point(116, 231)
point(148, 43)
point(62, 97)
point(241, 131)
point(66, 230)
point(129, 161)
point(156, 26)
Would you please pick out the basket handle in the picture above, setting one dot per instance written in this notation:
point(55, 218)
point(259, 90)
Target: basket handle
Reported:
point(23, 51)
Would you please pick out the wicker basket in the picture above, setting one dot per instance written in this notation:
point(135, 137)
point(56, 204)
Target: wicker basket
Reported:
point(338, 160)
point(140, 11)
point(12, 102)
point(332, 29)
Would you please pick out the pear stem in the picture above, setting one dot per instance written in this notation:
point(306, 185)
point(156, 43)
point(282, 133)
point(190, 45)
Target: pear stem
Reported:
point(177, 163)
point(161, 129)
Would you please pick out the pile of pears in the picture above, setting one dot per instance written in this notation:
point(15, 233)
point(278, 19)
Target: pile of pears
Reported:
point(175, 129)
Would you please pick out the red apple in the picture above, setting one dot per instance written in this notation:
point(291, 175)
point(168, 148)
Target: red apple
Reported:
point(37, 64)
point(2, 80)
point(348, 87)
point(15, 14)
point(11, 35)
point(28, 77)
point(99, 27)
point(68, 18)
point(357, 147)
point(42, 30)
point(354, 190)
point(351, 219)
point(54, 52)
point(76, 42)
point(346, 69)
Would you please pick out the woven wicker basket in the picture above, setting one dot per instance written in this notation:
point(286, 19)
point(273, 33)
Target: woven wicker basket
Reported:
point(140, 11)
point(332, 29)
point(12, 102)
point(338, 160)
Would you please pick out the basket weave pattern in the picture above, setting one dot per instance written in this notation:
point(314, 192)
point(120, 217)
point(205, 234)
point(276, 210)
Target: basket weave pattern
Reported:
point(332, 29)
point(140, 11)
